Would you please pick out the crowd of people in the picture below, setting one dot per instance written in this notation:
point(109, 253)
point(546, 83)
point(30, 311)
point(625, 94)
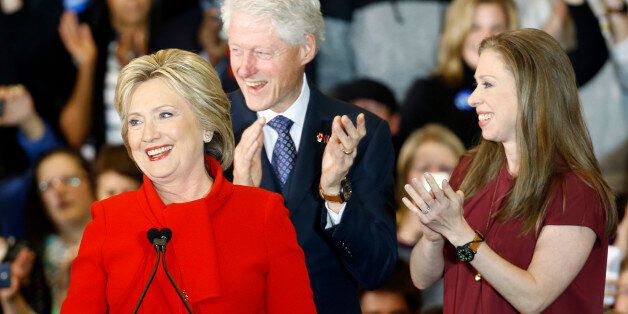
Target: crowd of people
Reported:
point(463, 156)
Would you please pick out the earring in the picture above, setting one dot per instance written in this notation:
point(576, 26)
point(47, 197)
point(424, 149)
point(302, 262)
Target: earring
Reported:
point(207, 136)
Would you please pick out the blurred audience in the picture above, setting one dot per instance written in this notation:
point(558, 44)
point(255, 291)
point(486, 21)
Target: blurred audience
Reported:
point(214, 45)
point(396, 296)
point(33, 137)
point(442, 98)
point(115, 172)
point(435, 149)
point(66, 194)
point(388, 40)
point(27, 291)
point(373, 96)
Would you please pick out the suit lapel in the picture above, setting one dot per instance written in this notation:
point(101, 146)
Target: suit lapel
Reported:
point(306, 174)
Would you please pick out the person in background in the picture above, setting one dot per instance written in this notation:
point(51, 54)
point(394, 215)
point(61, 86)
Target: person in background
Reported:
point(372, 96)
point(236, 250)
point(332, 161)
point(394, 42)
point(121, 30)
point(443, 97)
point(396, 296)
point(434, 149)
point(27, 292)
point(524, 225)
point(214, 46)
point(35, 137)
point(56, 224)
point(114, 172)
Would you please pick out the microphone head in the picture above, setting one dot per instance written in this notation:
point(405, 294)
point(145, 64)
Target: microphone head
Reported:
point(166, 233)
point(152, 234)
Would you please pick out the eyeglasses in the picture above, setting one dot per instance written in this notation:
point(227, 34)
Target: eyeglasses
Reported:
point(71, 181)
point(260, 54)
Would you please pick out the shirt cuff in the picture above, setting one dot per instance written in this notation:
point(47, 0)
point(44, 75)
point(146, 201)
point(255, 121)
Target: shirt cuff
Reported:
point(35, 148)
point(333, 218)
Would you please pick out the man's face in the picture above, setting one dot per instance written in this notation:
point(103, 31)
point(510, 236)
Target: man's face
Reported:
point(268, 70)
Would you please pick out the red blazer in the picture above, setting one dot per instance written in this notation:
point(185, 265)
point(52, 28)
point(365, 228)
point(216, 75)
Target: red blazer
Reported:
point(234, 251)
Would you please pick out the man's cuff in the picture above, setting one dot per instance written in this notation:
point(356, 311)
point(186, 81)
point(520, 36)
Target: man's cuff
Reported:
point(333, 218)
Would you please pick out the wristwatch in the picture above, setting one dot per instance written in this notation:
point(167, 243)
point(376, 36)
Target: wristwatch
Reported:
point(466, 252)
point(344, 193)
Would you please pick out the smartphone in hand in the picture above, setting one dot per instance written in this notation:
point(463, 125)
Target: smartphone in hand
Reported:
point(5, 275)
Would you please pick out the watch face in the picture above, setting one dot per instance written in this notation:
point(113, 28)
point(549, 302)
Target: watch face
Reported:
point(464, 253)
point(345, 190)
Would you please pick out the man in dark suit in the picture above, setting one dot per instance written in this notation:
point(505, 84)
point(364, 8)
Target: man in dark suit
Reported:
point(336, 176)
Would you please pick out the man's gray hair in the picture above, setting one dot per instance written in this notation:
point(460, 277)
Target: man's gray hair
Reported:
point(293, 19)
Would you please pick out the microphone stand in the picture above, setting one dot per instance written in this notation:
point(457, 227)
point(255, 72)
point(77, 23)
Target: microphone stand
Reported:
point(159, 239)
point(163, 262)
point(152, 276)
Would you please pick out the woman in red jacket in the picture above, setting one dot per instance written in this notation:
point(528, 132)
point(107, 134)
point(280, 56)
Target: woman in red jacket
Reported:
point(233, 248)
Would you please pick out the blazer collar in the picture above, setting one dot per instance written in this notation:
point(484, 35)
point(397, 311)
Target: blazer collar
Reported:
point(191, 229)
point(306, 174)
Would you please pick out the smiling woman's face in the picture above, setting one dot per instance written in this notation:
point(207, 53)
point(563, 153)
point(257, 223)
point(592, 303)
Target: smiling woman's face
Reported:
point(164, 136)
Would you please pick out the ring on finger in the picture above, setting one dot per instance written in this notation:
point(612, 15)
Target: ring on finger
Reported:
point(347, 152)
point(427, 210)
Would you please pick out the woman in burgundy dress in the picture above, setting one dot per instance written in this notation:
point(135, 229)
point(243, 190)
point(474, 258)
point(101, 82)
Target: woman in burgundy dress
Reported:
point(523, 226)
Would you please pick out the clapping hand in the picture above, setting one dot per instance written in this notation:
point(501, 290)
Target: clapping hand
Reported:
point(247, 156)
point(341, 151)
point(439, 210)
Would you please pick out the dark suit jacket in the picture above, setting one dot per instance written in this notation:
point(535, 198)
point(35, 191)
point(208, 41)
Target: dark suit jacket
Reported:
point(233, 251)
point(361, 249)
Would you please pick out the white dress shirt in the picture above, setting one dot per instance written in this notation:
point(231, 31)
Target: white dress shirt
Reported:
point(296, 112)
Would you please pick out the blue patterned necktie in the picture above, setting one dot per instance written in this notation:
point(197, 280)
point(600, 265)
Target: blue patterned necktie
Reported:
point(284, 152)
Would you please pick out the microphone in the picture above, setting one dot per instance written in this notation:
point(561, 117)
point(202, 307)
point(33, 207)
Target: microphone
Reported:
point(153, 236)
point(159, 239)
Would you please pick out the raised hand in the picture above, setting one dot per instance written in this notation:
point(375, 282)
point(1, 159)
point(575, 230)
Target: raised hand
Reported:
point(10, 298)
point(19, 111)
point(132, 43)
point(340, 151)
point(77, 39)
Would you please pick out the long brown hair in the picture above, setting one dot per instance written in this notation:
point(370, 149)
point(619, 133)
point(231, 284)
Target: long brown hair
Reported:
point(458, 24)
point(552, 137)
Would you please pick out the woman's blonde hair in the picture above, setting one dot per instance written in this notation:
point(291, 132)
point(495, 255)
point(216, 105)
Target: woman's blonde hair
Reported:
point(194, 80)
point(429, 133)
point(458, 24)
point(551, 135)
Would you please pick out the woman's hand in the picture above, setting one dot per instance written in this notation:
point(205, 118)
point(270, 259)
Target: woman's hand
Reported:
point(10, 298)
point(78, 40)
point(439, 210)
